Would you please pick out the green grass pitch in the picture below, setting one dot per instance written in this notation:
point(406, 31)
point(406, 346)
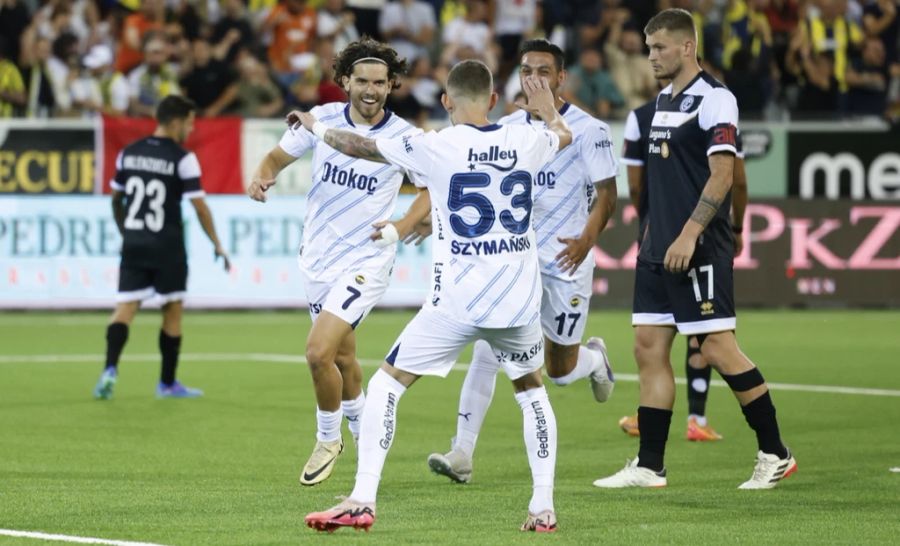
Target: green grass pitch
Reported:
point(223, 470)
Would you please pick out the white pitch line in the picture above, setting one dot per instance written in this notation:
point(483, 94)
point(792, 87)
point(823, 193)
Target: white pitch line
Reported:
point(70, 538)
point(370, 362)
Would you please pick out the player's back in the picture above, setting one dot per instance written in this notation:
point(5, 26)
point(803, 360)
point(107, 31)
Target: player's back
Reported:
point(155, 173)
point(480, 180)
point(564, 187)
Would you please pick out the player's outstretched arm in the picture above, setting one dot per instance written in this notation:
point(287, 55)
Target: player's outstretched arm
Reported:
point(118, 209)
point(406, 227)
point(264, 175)
point(346, 142)
point(577, 248)
point(721, 168)
point(206, 221)
point(739, 199)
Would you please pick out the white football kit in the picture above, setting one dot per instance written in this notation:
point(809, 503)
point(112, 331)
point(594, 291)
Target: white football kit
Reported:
point(563, 195)
point(485, 263)
point(346, 273)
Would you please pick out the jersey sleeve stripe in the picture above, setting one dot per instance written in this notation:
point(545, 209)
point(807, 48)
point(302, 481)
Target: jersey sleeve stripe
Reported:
point(721, 148)
point(193, 194)
point(502, 295)
point(575, 187)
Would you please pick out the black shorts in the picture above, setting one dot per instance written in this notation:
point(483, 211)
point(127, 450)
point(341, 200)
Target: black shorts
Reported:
point(139, 282)
point(699, 301)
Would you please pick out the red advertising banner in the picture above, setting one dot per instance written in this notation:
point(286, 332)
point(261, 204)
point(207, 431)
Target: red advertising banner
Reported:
point(216, 141)
point(796, 253)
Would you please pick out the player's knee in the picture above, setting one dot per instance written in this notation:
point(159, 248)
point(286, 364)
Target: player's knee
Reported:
point(646, 350)
point(319, 355)
point(719, 350)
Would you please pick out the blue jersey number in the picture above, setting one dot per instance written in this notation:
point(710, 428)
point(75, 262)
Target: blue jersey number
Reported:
point(460, 199)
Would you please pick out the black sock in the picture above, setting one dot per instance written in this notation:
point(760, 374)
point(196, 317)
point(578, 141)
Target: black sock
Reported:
point(116, 336)
point(654, 426)
point(760, 415)
point(169, 347)
point(697, 378)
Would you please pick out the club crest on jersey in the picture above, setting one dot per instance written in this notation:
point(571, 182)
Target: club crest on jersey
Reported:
point(360, 280)
point(575, 301)
point(493, 156)
point(686, 103)
point(664, 150)
point(706, 308)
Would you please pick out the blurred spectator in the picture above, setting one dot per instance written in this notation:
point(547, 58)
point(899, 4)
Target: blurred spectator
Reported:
point(590, 87)
point(424, 87)
point(293, 27)
point(868, 79)
point(233, 31)
point(257, 95)
point(12, 87)
point(403, 103)
point(62, 70)
point(179, 44)
point(783, 16)
point(745, 27)
point(408, 25)
point(513, 20)
point(210, 83)
point(151, 16)
point(819, 87)
point(832, 32)
point(748, 80)
point(154, 79)
point(329, 90)
point(880, 20)
point(366, 14)
point(99, 89)
point(40, 90)
point(595, 25)
point(14, 19)
point(336, 23)
point(450, 10)
point(469, 37)
point(628, 65)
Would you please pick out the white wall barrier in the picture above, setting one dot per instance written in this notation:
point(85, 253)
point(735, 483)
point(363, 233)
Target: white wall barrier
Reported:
point(63, 252)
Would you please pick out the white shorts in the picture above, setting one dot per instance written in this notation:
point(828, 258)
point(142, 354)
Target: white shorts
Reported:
point(351, 297)
point(432, 341)
point(564, 308)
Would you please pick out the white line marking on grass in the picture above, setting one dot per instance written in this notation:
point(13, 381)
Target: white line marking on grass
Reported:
point(895, 469)
point(370, 362)
point(70, 538)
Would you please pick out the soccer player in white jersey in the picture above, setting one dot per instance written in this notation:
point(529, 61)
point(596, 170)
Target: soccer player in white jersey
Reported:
point(346, 273)
point(567, 220)
point(485, 285)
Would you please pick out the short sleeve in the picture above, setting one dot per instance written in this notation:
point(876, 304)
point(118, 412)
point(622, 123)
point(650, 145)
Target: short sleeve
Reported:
point(719, 118)
point(633, 152)
point(296, 142)
point(409, 152)
point(542, 144)
point(118, 181)
point(598, 156)
point(189, 173)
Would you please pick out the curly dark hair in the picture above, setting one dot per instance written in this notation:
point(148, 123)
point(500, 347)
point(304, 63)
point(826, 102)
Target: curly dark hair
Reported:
point(367, 47)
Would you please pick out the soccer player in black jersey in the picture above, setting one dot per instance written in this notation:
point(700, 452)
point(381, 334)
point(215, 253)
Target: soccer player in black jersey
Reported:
point(697, 369)
point(684, 278)
point(153, 175)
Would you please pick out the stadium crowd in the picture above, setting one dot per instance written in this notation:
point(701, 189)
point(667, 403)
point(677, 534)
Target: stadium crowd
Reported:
point(783, 59)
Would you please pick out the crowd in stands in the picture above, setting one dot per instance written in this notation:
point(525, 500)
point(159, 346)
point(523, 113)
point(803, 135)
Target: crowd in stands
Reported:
point(783, 59)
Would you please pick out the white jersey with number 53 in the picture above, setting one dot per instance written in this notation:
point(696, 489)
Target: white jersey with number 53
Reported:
point(486, 270)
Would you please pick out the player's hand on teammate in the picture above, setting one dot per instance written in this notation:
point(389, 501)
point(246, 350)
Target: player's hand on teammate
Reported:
point(219, 253)
point(576, 251)
point(538, 95)
point(420, 232)
point(258, 187)
point(678, 257)
point(297, 118)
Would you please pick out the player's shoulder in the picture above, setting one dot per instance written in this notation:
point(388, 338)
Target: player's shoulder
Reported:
point(329, 111)
point(519, 117)
point(583, 123)
point(710, 88)
point(396, 125)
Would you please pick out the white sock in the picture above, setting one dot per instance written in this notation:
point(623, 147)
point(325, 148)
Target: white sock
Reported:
point(378, 427)
point(701, 419)
point(475, 397)
point(540, 443)
point(328, 425)
point(588, 362)
point(353, 411)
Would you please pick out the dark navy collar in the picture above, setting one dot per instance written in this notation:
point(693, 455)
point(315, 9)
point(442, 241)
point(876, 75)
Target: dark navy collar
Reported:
point(562, 111)
point(485, 128)
point(673, 96)
point(379, 125)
